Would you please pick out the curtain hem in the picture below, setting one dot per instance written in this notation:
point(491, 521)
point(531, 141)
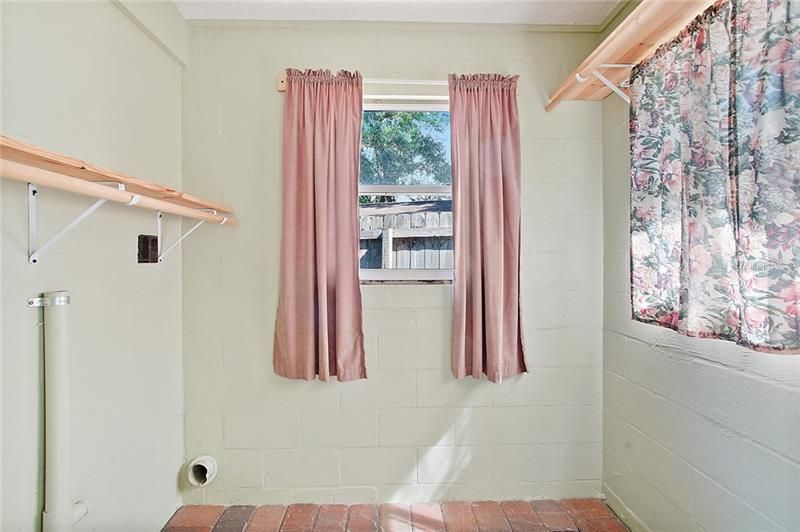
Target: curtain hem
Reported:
point(714, 336)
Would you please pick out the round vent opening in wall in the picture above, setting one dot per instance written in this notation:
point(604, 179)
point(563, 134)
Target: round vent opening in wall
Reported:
point(202, 471)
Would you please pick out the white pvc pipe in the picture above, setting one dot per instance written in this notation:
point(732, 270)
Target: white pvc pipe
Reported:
point(60, 513)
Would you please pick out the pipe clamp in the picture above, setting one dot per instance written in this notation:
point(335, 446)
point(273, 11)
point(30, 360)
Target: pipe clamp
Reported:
point(53, 301)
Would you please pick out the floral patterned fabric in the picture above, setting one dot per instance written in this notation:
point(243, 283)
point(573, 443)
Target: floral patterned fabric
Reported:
point(715, 194)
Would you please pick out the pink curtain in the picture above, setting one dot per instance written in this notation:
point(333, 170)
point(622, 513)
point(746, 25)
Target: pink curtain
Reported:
point(318, 328)
point(487, 333)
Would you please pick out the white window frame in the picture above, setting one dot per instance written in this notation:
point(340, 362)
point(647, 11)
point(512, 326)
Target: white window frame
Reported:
point(405, 275)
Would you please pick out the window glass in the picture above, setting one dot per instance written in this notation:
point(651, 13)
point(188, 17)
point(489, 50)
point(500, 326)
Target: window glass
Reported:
point(405, 202)
point(405, 148)
point(407, 232)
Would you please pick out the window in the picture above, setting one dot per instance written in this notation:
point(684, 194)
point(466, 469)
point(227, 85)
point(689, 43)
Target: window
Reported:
point(405, 193)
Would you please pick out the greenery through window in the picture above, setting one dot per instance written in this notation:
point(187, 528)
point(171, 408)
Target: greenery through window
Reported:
point(405, 194)
point(405, 148)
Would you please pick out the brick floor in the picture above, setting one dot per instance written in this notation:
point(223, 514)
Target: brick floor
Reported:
point(568, 515)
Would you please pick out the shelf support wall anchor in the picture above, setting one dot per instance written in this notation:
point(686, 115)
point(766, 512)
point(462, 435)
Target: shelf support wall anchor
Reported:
point(160, 232)
point(159, 217)
point(34, 250)
point(580, 78)
point(162, 254)
point(611, 85)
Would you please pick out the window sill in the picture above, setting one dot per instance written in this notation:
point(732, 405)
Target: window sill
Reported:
point(405, 276)
point(369, 282)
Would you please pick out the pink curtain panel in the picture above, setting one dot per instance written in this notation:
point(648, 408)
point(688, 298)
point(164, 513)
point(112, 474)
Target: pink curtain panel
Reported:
point(318, 330)
point(487, 333)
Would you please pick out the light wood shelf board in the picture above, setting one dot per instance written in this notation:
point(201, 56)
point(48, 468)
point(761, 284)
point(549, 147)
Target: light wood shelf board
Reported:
point(649, 25)
point(17, 151)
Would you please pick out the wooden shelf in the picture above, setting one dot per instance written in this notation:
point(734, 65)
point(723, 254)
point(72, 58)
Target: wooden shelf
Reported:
point(25, 162)
point(651, 24)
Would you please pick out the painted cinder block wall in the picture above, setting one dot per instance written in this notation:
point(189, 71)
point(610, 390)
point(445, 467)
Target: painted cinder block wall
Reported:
point(85, 80)
point(409, 432)
point(698, 435)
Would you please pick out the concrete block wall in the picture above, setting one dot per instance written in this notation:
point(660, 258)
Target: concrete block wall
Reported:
point(698, 435)
point(410, 431)
point(84, 79)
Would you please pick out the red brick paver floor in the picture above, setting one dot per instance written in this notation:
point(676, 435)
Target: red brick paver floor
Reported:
point(568, 515)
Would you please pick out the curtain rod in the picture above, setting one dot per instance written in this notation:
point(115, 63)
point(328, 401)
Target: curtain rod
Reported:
point(418, 82)
point(375, 81)
point(408, 97)
point(436, 82)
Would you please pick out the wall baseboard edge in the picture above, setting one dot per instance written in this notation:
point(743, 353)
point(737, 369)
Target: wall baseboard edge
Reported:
point(623, 512)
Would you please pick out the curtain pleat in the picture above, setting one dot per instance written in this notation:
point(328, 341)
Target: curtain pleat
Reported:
point(318, 330)
point(767, 157)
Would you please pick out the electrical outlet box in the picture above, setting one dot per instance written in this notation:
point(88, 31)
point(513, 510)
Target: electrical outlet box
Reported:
point(148, 249)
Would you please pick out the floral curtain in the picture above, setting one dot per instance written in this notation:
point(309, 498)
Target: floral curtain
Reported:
point(715, 195)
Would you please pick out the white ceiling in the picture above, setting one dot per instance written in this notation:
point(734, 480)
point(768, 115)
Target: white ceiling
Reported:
point(561, 12)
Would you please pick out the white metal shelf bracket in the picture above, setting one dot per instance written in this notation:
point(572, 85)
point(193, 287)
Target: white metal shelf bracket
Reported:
point(34, 249)
point(159, 216)
point(607, 82)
